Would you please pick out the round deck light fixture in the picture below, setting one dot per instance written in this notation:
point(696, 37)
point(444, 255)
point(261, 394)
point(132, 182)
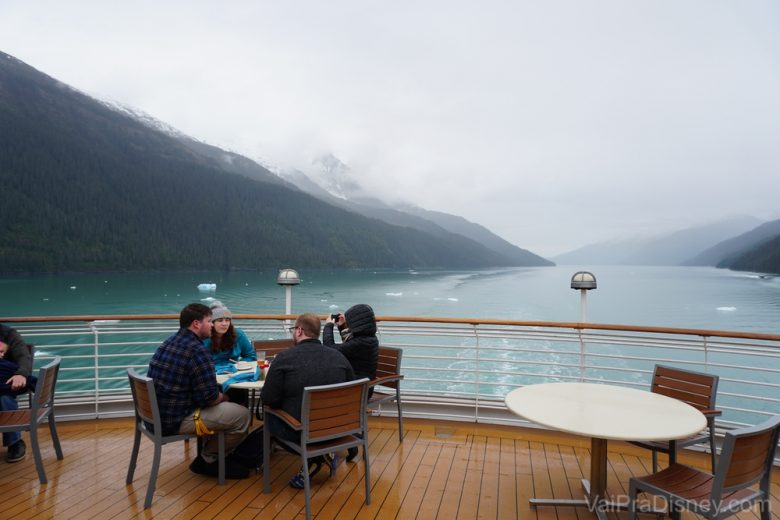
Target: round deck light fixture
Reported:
point(288, 277)
point(583, 280)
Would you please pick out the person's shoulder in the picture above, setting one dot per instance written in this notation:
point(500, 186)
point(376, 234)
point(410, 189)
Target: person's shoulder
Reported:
point(241, 334)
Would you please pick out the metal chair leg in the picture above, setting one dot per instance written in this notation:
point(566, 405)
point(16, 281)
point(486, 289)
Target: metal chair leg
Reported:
point(54, 437)
point(153, 475)
point(133, 456)
point(36, 449)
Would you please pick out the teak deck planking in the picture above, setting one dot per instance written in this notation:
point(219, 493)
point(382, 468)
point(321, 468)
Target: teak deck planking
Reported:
point(444, 470)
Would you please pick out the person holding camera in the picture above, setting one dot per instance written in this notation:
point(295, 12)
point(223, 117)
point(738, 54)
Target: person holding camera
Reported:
point(359, 344)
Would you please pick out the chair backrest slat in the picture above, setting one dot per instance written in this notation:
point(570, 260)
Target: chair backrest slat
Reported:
point(747, 456)
point(44, 388)
point(272, 347)
point(749, 459)
point(695, 388)
point(145, 400)
point(389, 363)
point(332, 411)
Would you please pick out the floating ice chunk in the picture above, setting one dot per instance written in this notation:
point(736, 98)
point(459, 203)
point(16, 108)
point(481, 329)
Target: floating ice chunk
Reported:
point(394, 294)
point(45, 299)
point(453, 299)
point(332, 306)
point(726, 309)
point(72, 287)
point(208, 299)
point(207, 287)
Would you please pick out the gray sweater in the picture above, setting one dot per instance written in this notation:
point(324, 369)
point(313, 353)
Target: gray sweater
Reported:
point(308, 363)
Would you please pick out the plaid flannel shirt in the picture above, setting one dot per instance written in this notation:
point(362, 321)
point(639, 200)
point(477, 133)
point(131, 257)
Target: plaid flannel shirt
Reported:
point(184, 378)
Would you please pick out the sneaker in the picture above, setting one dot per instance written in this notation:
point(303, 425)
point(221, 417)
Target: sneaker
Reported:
point(352, 453)
point(16, 451)
point(315, 465)
point(233, 471)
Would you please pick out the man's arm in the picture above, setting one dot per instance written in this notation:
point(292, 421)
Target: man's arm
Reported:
point(205, 390)
point(327, 335)
point(18, 352)
point(273, 388)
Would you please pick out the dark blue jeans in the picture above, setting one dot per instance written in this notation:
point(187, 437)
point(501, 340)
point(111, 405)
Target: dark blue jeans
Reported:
point(8, 404)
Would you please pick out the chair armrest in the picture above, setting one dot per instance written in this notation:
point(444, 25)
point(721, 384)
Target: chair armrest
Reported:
point(712, 413)
point(385, 379)
point(294, 423)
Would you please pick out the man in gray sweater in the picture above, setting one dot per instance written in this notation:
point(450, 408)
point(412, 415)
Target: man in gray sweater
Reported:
point(308, 363)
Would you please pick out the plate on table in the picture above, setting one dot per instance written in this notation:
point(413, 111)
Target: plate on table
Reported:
point(245, 365)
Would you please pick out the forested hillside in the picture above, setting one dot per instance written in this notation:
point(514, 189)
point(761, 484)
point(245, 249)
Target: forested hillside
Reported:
point(764, 258)
point(88, 188)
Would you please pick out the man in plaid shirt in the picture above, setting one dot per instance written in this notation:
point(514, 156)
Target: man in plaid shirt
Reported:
point(186, 385)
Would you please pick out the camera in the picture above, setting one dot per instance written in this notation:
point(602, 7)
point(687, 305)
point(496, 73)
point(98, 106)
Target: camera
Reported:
point(335, 316)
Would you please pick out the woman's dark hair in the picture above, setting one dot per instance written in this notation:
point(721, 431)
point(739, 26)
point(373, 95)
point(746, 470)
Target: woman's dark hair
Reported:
point(226, 341)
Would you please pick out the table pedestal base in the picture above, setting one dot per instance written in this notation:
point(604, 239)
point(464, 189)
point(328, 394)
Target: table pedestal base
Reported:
point(594, 496)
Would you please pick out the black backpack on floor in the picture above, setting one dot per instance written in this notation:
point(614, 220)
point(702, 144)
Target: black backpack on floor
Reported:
point(250, 452)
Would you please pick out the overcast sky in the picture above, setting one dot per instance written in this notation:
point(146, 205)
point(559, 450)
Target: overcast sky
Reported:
point(554, 123)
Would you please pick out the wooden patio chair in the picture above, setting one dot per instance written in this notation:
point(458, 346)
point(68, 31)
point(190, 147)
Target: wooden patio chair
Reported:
point(698, 390)
point(388, 375)
point(147, 412)
point(41, 409)
point(745, 460)
point(333, 418)
point(272, 347)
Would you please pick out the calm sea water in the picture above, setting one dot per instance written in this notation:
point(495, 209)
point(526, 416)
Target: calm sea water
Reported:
point(663, 296)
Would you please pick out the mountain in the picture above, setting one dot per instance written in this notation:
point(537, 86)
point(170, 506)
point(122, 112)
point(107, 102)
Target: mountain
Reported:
point(338, 187)
point(88, 187)
point(667, 249)
point(478, 233)
point(611, 252)
point(763, 258)
point(724, 253)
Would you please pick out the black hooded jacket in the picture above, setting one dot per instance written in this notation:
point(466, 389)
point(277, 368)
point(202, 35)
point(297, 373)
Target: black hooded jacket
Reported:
point(359, 342)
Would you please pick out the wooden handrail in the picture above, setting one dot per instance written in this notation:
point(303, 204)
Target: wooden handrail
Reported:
point(419, 319)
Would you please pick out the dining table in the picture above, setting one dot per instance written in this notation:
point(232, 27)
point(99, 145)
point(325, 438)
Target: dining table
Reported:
point(603, 412)
point(252, 387)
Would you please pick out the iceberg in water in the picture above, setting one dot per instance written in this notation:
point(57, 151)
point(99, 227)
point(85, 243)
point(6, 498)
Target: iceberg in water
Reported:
point(207, 287)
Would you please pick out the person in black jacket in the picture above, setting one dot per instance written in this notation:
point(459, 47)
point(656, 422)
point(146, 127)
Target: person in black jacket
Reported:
point(16, 351)
point(360, 345)
point(307, 363)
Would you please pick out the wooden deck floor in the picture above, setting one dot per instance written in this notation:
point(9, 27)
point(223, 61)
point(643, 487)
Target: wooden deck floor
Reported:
point(442, 470)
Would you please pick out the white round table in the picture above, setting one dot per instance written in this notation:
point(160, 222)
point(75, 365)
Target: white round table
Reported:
point(603, 412)
point(250, 386)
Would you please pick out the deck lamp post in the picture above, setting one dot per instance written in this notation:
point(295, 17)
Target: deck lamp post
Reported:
point(287, 278)
point(584, 281)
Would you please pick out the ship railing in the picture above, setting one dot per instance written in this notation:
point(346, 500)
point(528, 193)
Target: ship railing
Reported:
point(454, 368)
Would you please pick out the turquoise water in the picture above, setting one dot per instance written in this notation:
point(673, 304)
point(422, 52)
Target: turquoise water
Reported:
point(662, 296)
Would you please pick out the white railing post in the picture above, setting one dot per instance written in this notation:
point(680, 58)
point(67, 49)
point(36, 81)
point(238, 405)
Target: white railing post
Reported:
point(582, 355)
point(96, 364)
point(476, 397)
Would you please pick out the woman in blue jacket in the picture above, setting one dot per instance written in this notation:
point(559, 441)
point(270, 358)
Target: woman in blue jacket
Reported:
point(228, 344)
